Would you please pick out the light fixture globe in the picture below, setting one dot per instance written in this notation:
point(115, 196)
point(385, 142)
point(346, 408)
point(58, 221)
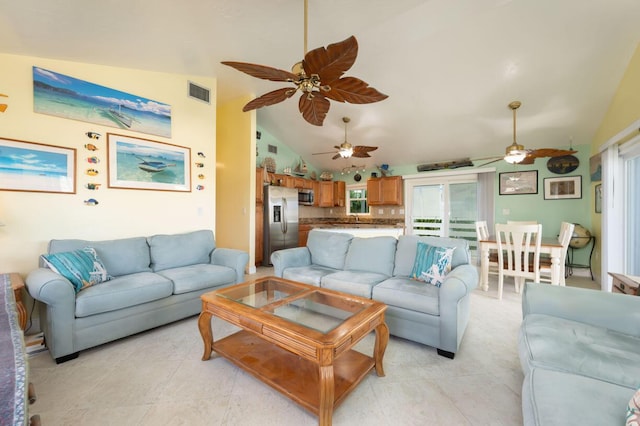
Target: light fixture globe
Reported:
point(515, 153)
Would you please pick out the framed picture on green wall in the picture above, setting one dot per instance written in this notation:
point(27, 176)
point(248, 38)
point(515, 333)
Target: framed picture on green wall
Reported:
point(516, 183)
point(563, 188)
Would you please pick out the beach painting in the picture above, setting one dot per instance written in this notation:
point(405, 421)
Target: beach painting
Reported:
point(67, 97)
point(34, 167)
point(136, 163)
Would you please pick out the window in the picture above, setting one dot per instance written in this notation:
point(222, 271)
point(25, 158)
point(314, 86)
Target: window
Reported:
point(357, 199)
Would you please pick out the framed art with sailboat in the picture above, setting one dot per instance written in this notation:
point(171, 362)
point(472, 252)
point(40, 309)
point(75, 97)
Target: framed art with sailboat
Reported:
point(69, 97)
point(136, 163)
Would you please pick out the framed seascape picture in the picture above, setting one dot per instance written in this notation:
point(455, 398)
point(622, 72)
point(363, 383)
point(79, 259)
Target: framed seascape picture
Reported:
point(136, 163)
point(513, 183)
point(563, 188)
point(68, 97)
point(36, 167)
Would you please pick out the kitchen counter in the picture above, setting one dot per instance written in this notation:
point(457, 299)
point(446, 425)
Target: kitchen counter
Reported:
point(364, 231)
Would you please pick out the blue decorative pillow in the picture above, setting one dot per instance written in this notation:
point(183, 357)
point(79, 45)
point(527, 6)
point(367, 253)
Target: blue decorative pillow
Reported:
point(432, 263)
point(82, 267)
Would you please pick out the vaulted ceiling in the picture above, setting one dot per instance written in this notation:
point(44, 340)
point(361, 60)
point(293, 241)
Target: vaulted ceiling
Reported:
point(449, 67)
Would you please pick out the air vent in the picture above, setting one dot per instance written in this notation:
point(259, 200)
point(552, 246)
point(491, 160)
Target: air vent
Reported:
point(200, 93)
point(272, 149)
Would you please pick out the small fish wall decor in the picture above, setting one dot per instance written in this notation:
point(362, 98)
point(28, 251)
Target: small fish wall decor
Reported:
point(91, 147)
point(93, 160)
point(92, 172)
point(93, 186)
point(3, 106)
point(200, 187)
point(201, 154)
point(199, 164)
point(201, 176)
point(93, 135)
point(91, 202)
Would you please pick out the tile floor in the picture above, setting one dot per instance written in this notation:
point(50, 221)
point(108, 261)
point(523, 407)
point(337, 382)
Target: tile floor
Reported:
point(157, 378)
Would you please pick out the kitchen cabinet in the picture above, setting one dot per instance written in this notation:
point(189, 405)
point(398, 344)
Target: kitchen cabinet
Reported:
point(299, 182)
point(303, 234)
point(339, 193)
point(259, 184)
point(315, 185)
point(259, 233)
point(384, 191)
point(325, 194)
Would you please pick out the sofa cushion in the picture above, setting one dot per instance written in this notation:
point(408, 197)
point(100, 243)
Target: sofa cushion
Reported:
point(120, 257)
point(579, 348)
point(431, 264)
point(328, 249)
point(198, 277)
point(173, 251)
point(82, 267)
point(375, 254)
point(122, 292)
point(358, 283)
point(556, 398)
point(408, 294)
point(311, 274)
point(408, 245)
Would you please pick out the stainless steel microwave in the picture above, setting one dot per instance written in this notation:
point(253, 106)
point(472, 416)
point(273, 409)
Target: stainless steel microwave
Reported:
point(305, 197)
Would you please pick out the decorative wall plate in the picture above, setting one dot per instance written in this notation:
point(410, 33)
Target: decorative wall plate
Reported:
point(563, 165)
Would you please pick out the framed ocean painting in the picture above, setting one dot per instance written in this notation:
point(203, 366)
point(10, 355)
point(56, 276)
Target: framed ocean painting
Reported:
point(136, 163)
point(36, 167)
point(68, 97)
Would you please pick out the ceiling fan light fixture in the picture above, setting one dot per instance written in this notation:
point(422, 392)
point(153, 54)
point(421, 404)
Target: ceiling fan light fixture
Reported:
point(346, 152)
point(515, 153)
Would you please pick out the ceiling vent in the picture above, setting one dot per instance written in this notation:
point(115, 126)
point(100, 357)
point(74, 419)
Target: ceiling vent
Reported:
point(445, 165)
point(200, 93)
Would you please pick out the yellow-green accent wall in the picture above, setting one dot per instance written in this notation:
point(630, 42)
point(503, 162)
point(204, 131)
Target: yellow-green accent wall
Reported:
point(235, 170)
point(31, 219)
point(623, 111)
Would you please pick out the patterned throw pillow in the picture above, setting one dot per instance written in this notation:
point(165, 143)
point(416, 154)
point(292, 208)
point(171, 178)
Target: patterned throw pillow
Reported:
point(432, 263)
point(82, 267)
point(633, 410)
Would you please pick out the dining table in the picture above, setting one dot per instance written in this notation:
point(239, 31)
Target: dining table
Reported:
point(548, 245)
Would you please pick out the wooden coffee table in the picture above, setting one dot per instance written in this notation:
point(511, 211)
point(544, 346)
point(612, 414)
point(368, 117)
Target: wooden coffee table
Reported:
point(297, 338)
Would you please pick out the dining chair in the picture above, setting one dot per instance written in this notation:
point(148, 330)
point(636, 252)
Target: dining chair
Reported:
point(566, 232)
point(482, 233)
point(522, 222)
point(518, 254)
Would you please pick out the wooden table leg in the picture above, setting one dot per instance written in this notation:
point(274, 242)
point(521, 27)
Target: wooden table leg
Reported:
point(204, 324)
point(327, 394)
point(382, 338)
point(17, 284)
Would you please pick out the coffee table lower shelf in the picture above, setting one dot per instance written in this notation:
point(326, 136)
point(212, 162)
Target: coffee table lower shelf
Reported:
point(295, 377)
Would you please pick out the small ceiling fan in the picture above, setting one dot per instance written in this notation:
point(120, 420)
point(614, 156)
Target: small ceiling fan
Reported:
point(318, 76)
point(517, 154)
point(346, 150)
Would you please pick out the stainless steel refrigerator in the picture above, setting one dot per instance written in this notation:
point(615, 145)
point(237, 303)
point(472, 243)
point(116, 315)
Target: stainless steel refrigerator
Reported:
point(280, 219)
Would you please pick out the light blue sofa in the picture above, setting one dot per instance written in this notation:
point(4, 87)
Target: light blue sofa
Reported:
point(380, 268)
point(580, 353)
point(156, 280)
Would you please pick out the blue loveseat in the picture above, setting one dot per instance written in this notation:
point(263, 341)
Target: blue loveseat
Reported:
point(155, 280)
point(380, 268)
point(580, 353)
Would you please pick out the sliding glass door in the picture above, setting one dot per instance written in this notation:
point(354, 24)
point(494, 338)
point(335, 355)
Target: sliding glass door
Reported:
point(443, 206)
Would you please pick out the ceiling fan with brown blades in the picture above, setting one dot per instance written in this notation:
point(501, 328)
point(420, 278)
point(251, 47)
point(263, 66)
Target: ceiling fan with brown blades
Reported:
point(319, 76)
point(346, 150)
point(517, 154)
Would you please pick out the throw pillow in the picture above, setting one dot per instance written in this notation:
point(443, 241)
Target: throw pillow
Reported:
point(432, 263)
point(633, 410)
point(82, 267)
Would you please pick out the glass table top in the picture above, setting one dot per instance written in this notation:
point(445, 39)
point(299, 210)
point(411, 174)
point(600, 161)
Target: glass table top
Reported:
point(304, 305)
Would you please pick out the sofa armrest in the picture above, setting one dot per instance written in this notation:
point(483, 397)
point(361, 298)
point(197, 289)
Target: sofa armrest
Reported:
point(618, 312)
point(232, 258)
point(291, 257)
point(59, 298)
point(51, 288)
point(458, 283)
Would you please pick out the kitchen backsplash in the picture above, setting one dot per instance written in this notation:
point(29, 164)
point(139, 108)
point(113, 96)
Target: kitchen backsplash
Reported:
point(377, 212)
